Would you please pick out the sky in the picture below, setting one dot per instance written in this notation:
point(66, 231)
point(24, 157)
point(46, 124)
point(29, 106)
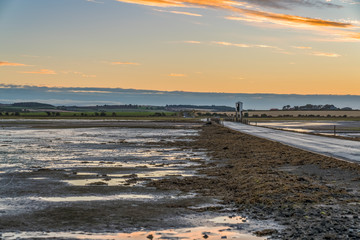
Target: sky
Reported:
point(229, 46)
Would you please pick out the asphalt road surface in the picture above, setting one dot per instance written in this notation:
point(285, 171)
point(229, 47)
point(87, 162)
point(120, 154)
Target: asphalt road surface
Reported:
point(333, 147)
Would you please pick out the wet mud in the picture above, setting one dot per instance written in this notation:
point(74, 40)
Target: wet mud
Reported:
point(94, 183)
point(313, 196)
point(200, 182)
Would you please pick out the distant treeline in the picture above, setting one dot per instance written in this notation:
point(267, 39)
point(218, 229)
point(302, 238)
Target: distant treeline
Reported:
point(200, 107)
point(311, 107)
point(32, 105)
point(24, 106)
point(107, 108)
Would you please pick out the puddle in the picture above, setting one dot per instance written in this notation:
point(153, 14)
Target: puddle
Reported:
point(86, 174)
point(139, 197)
point(104, 157)
point(199, 233)
point(127, 179)
point(343, 128)
point(156, 174)
point(300, 130)
point(89, 147)
point(95, 182)
point(217, 228)
point(39, 178)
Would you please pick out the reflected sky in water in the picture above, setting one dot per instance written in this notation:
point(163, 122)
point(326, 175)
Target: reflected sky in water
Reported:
point(343, 128)
point(22, 149)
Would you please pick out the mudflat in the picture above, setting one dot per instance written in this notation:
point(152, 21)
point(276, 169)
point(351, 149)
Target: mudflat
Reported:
point(170, 181)
point(91, 180)
point(313, 196)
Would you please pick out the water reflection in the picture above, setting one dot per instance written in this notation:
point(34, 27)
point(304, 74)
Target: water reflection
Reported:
point(197, 233)
point(93, 198)
point(67, 148)
point(101, 164)
point(343, 128)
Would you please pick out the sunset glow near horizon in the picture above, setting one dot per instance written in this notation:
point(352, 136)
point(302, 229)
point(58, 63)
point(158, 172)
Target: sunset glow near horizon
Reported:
point(245, 46)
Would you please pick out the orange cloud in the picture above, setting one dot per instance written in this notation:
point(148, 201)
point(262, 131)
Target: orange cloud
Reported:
point(229, 5)
point(88, 76)
point(250, 15)
point(11, 64)
point(285, 18)
point(187, 13)
point(124, 63)
point(323, 54)
point(176, 75)
point(42, 71)
point(242, 45)
point(233, 44)
point(180, 12)
point(81, 74)
point(194, 42)
point(302, 47)
point(245, 19)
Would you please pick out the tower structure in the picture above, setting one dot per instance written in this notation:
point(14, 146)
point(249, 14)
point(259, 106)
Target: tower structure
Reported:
point(239, 109)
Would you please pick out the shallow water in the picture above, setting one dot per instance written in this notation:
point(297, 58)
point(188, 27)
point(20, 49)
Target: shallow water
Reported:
point(197, 233)
point(68, 148)
point(220, 227)
point(46, 169)
point(343, 149)
point(343, 128)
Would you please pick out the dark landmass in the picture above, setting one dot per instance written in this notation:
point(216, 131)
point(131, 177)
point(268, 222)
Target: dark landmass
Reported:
point(35, 106)
point(212, 108)
point(311, 107)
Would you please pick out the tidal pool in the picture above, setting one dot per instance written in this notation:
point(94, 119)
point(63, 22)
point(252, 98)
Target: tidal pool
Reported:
point(342, 128)
point(91, 183)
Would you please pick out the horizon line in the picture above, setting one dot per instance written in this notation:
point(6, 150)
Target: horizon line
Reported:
point(4, 86)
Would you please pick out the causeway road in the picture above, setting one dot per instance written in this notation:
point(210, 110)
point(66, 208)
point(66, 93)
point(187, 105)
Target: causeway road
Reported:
point(339, 148)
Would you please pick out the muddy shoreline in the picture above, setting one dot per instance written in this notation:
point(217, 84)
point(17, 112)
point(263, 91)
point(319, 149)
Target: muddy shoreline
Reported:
point(231, 174)
point(90, 180)
point(314, 196)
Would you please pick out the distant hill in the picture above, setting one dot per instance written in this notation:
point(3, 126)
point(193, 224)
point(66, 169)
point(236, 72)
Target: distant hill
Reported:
point(32, 105)
point(200, 107)
point(311, 107)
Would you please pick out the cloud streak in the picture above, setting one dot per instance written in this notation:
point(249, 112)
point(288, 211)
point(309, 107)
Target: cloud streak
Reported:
point(324, 54)
point(177, 75)
point(233, 6)
point(180, 12)
point(80, 74)
point(288, 4)
point(244, 12)
point(124, 63)
point(192, 42)
point(10, 64)
point(302, 47)
point(286, 19)
point(42, 71)
point(242, 45)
